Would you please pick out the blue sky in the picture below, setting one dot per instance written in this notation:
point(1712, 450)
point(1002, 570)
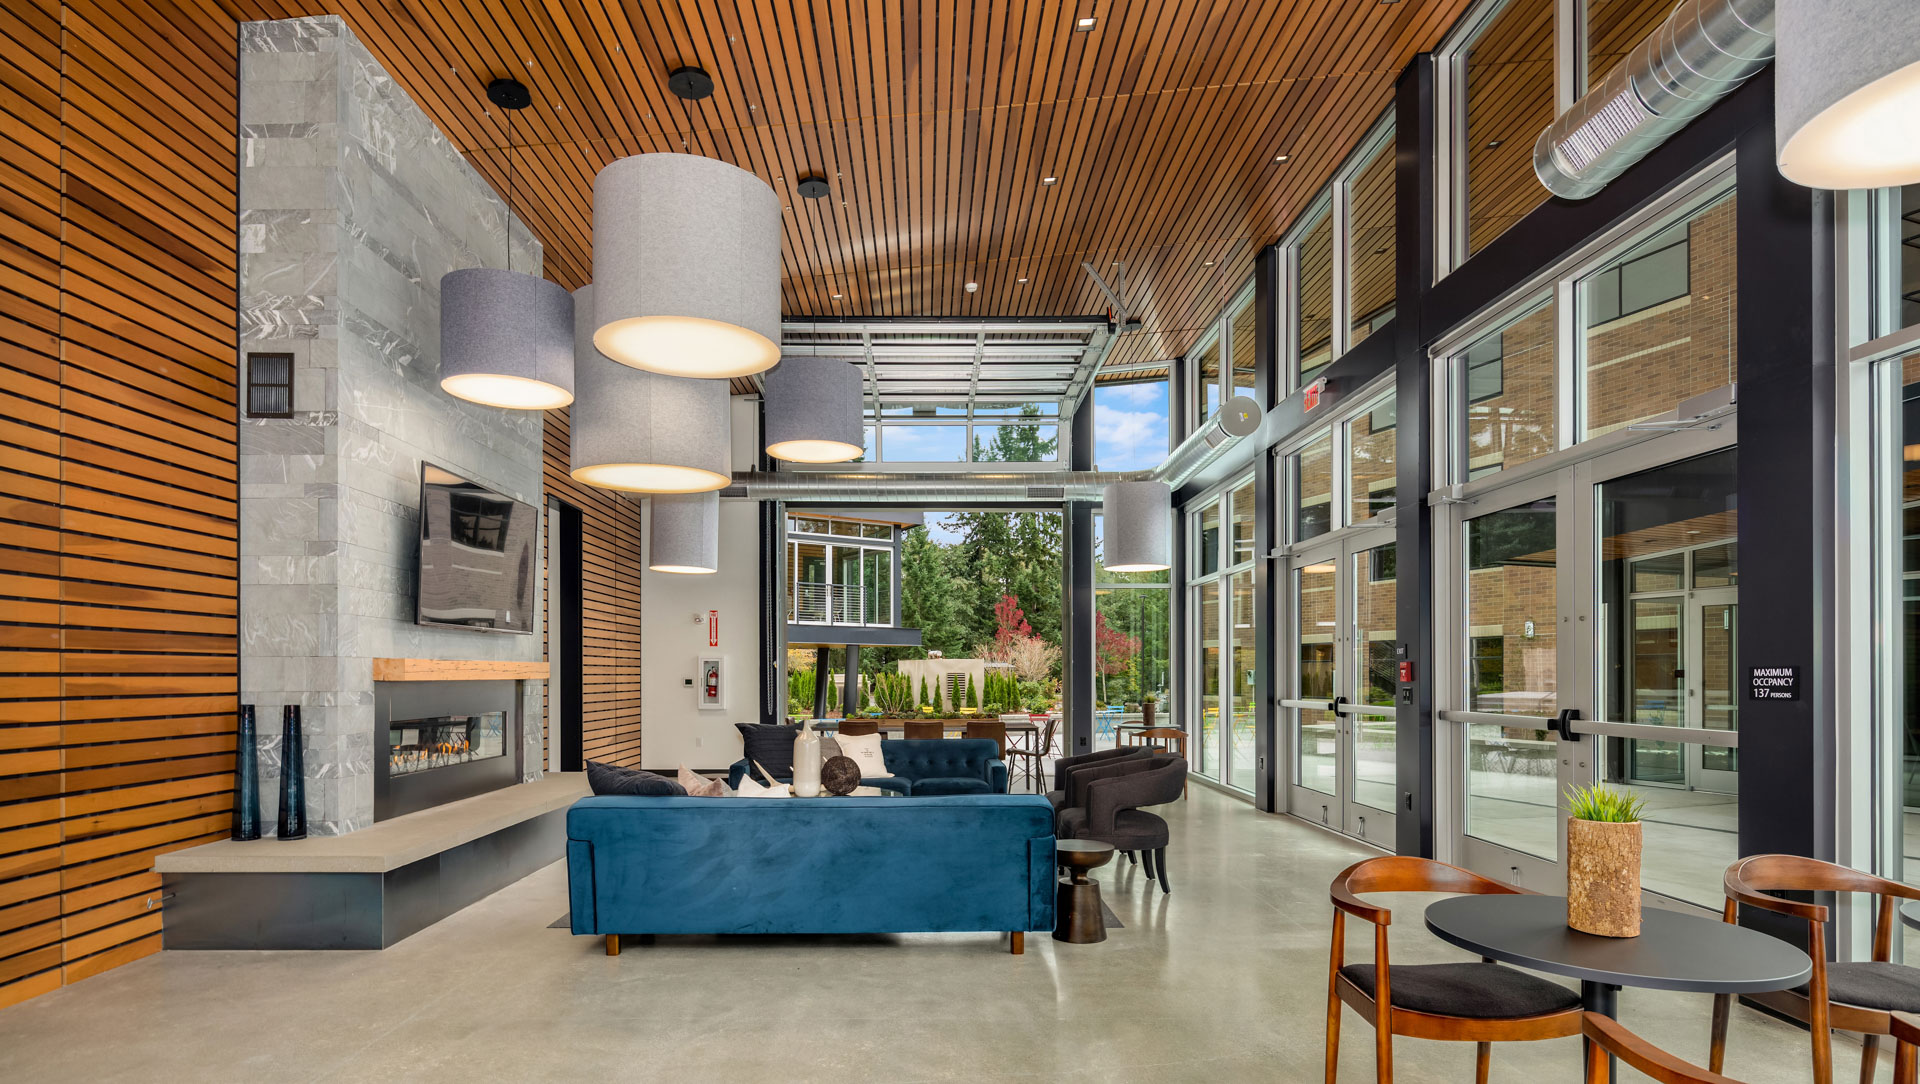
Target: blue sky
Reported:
point(1130, 433)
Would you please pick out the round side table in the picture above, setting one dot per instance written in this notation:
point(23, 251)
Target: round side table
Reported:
point(1078, 916)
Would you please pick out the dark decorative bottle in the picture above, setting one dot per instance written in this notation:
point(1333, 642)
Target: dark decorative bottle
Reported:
point(293, 777)
point(246, 778)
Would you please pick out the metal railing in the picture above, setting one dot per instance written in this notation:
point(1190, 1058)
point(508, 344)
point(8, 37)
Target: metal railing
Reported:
point(835, 604)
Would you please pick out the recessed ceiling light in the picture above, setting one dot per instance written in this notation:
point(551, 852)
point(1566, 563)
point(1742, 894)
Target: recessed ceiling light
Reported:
point(1088, 23)
point(972, 286)
point(1049, 180)
point(1022, 280)
point(838, 297)
point(1495, 142)
point(1281, 157)
point(1208, 263)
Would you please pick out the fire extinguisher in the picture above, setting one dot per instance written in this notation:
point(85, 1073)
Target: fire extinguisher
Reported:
point(713, 681)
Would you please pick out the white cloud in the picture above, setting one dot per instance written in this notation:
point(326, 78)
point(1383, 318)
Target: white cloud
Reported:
point(1129, 439)
point(1136, 395)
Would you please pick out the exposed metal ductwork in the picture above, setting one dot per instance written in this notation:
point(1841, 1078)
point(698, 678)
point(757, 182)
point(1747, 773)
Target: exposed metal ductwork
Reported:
point(1702, 52)
point(1239, 417)
point(852, 487)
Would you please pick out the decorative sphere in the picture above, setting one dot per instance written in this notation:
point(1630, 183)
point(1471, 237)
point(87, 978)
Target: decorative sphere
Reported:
point(840, 775)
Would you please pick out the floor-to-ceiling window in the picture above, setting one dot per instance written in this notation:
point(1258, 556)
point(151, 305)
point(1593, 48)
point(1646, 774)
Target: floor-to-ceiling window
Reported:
point(1338, 263)
point(1338, 596)
point(1132, 630)
point(1221, 606)
point(1588, 550)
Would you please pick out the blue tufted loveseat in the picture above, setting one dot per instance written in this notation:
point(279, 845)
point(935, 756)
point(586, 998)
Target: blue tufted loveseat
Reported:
point(925, 768)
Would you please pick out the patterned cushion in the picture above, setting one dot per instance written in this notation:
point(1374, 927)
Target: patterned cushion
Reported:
point(1478, 990)
point(612, 779)
point(770, 746)
point(699, 786)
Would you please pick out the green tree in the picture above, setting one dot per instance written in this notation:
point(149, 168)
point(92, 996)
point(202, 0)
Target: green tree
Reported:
point(924, 702)
point(972, 700)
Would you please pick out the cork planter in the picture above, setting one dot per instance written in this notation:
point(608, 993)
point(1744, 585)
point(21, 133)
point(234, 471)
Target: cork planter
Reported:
point(1603, 877)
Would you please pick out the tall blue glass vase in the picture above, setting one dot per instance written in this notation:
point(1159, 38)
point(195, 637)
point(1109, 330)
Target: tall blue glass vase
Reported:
point(293, 777)
point(246, 778)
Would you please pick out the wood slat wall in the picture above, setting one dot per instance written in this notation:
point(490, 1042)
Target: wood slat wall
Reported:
point(117, 569)
point(610, 575)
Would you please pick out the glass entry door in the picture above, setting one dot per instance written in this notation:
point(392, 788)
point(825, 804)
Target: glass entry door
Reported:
point(1594, 612)
point(1340, 707)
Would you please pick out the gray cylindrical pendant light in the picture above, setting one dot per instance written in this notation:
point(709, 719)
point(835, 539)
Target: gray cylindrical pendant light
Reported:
point(686, 257)
point(506, 339)
point(1137, 527)
point(684, 536)
point(1847, 93)
point(641, 431)
point(813, 411)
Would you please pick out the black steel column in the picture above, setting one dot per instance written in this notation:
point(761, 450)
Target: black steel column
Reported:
point(773, 696)
point(572, 681)
point(850, 683)
point(821, 656)
point(1786, 501)
point(1413, 468)
point(1076, 572)
point(1267, 382)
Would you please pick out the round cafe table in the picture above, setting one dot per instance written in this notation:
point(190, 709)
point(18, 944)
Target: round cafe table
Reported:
point(1674, 951)
point(1910, 914)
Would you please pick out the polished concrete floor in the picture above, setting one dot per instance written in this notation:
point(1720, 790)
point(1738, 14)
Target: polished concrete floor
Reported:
point(1223, 981)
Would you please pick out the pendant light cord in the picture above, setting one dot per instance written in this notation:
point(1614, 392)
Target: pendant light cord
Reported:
point(507, 231)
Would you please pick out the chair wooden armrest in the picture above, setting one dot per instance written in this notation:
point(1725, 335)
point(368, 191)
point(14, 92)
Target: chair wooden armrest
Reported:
point(1609, 1035)
point(1359, 908)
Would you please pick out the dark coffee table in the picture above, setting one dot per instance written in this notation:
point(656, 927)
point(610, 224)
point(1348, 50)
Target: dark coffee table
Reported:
point(1078, 917)
point(1674, 951)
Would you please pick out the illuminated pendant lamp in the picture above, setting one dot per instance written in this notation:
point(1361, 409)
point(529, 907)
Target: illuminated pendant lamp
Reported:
point(1847, 93)
point(684, 535)
point(813, 411)
point(1136, 526)
point(643, 432)
point(506, 337)
point(686, 256)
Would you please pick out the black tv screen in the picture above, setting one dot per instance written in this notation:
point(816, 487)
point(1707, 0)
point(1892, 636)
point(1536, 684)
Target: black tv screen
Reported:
point(479, 554)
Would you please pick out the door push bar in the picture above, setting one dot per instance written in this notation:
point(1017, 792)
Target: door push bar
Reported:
point(1562, 724)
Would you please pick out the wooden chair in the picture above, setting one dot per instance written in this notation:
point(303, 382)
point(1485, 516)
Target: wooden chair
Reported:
point(989, 728)
point(854, 728)
point(1855, 997)
point(1032, 758)
point(925, 730)
point(1605, 1035)
point(1169, 739)
point(1906, 1040)
point(1425, 1001)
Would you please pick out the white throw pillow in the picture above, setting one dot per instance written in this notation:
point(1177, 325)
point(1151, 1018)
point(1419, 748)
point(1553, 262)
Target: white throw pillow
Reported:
point(753, 788)
point(864, 749)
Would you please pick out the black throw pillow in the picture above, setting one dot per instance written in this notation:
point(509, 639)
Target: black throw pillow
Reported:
point(771, 747)
point(613, 779)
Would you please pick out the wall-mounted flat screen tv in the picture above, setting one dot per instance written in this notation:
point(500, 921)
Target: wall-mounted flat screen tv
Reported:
point(479, 554)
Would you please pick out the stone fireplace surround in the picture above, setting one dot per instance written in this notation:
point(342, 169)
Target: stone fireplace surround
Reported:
point(352, 207)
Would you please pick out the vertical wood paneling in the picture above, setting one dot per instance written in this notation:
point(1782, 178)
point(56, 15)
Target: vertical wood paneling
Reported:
point(610, 584)
point(117, 566)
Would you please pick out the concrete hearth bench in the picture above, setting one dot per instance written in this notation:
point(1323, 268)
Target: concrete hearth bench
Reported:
point(366, 889)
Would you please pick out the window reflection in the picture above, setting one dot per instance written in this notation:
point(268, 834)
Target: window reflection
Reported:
point(1509, 92)
point(1313, 328)
point(1370, 240)
point(1511, 383)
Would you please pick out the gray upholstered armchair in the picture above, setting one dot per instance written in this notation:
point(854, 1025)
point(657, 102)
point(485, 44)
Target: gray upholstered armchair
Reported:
point(1106, 805)
point(1066, 767)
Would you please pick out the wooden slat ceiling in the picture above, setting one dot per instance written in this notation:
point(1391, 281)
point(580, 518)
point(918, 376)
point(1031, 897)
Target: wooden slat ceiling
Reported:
point(935, 122)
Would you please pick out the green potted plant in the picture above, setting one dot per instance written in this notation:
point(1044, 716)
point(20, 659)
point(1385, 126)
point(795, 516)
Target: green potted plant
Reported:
point(1603, 861)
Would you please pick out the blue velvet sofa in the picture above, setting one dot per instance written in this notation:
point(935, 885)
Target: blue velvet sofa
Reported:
point(923, 768)
point(811, 865)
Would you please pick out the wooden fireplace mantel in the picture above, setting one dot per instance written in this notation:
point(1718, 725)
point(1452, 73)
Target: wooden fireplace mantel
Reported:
point(458, 670)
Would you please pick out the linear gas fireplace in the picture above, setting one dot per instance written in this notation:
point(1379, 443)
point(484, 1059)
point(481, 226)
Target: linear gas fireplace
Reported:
point(440, 741)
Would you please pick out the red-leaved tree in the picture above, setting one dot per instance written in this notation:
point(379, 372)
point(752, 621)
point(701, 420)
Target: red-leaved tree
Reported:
point(1010, 621)
point(1113, 650)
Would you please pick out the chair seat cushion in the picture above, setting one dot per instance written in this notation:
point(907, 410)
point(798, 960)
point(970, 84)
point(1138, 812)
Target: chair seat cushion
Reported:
point(1058, 799)
point(956, 785)
point(1477, 990)
point(1870, 985)
point(1133, 829)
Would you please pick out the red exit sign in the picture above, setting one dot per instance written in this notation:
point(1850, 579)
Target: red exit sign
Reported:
point(1310, 395)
